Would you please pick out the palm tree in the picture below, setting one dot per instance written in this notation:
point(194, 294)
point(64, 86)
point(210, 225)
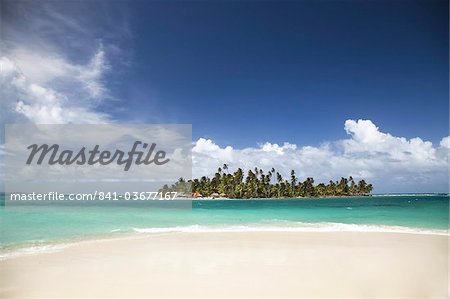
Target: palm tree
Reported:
point(279, 180)
point(362, 187)
point(293, 182)
point(258, 184)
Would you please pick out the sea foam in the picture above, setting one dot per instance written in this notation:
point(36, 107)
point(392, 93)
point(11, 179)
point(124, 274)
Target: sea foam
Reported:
point(286, 226)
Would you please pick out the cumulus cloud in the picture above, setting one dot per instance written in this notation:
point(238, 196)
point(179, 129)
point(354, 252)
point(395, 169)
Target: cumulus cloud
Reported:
point(279, 150)
point(393, 164)
point(445, 142)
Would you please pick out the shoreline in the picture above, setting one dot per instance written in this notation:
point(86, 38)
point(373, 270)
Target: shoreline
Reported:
point(210, 264)
point(22, 250)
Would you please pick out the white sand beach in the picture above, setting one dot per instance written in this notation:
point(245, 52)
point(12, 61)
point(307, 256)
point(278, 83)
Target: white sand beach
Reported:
point(239, 264)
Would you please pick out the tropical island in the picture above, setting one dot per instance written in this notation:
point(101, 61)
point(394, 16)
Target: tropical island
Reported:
point(258, 184)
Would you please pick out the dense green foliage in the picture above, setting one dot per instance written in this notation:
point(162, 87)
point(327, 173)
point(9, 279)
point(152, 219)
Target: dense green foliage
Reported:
point(257, 184)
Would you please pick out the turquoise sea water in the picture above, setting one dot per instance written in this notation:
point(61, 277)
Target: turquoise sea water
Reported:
point(412, 213)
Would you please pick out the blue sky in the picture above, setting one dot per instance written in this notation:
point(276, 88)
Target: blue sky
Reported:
point(331, 87)
point(290, 70)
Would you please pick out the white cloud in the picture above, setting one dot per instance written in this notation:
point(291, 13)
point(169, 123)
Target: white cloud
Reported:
point(26, 101)
point(55, 59)
point(393, 164)
point(445, 142)
point(368, 140)
point(279, 150)
point(48, 69)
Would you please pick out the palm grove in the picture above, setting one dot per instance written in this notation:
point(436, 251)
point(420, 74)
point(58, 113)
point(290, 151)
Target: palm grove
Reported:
point(258, 184)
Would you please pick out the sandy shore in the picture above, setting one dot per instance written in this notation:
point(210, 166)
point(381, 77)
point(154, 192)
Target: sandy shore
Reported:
point(258, 264)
